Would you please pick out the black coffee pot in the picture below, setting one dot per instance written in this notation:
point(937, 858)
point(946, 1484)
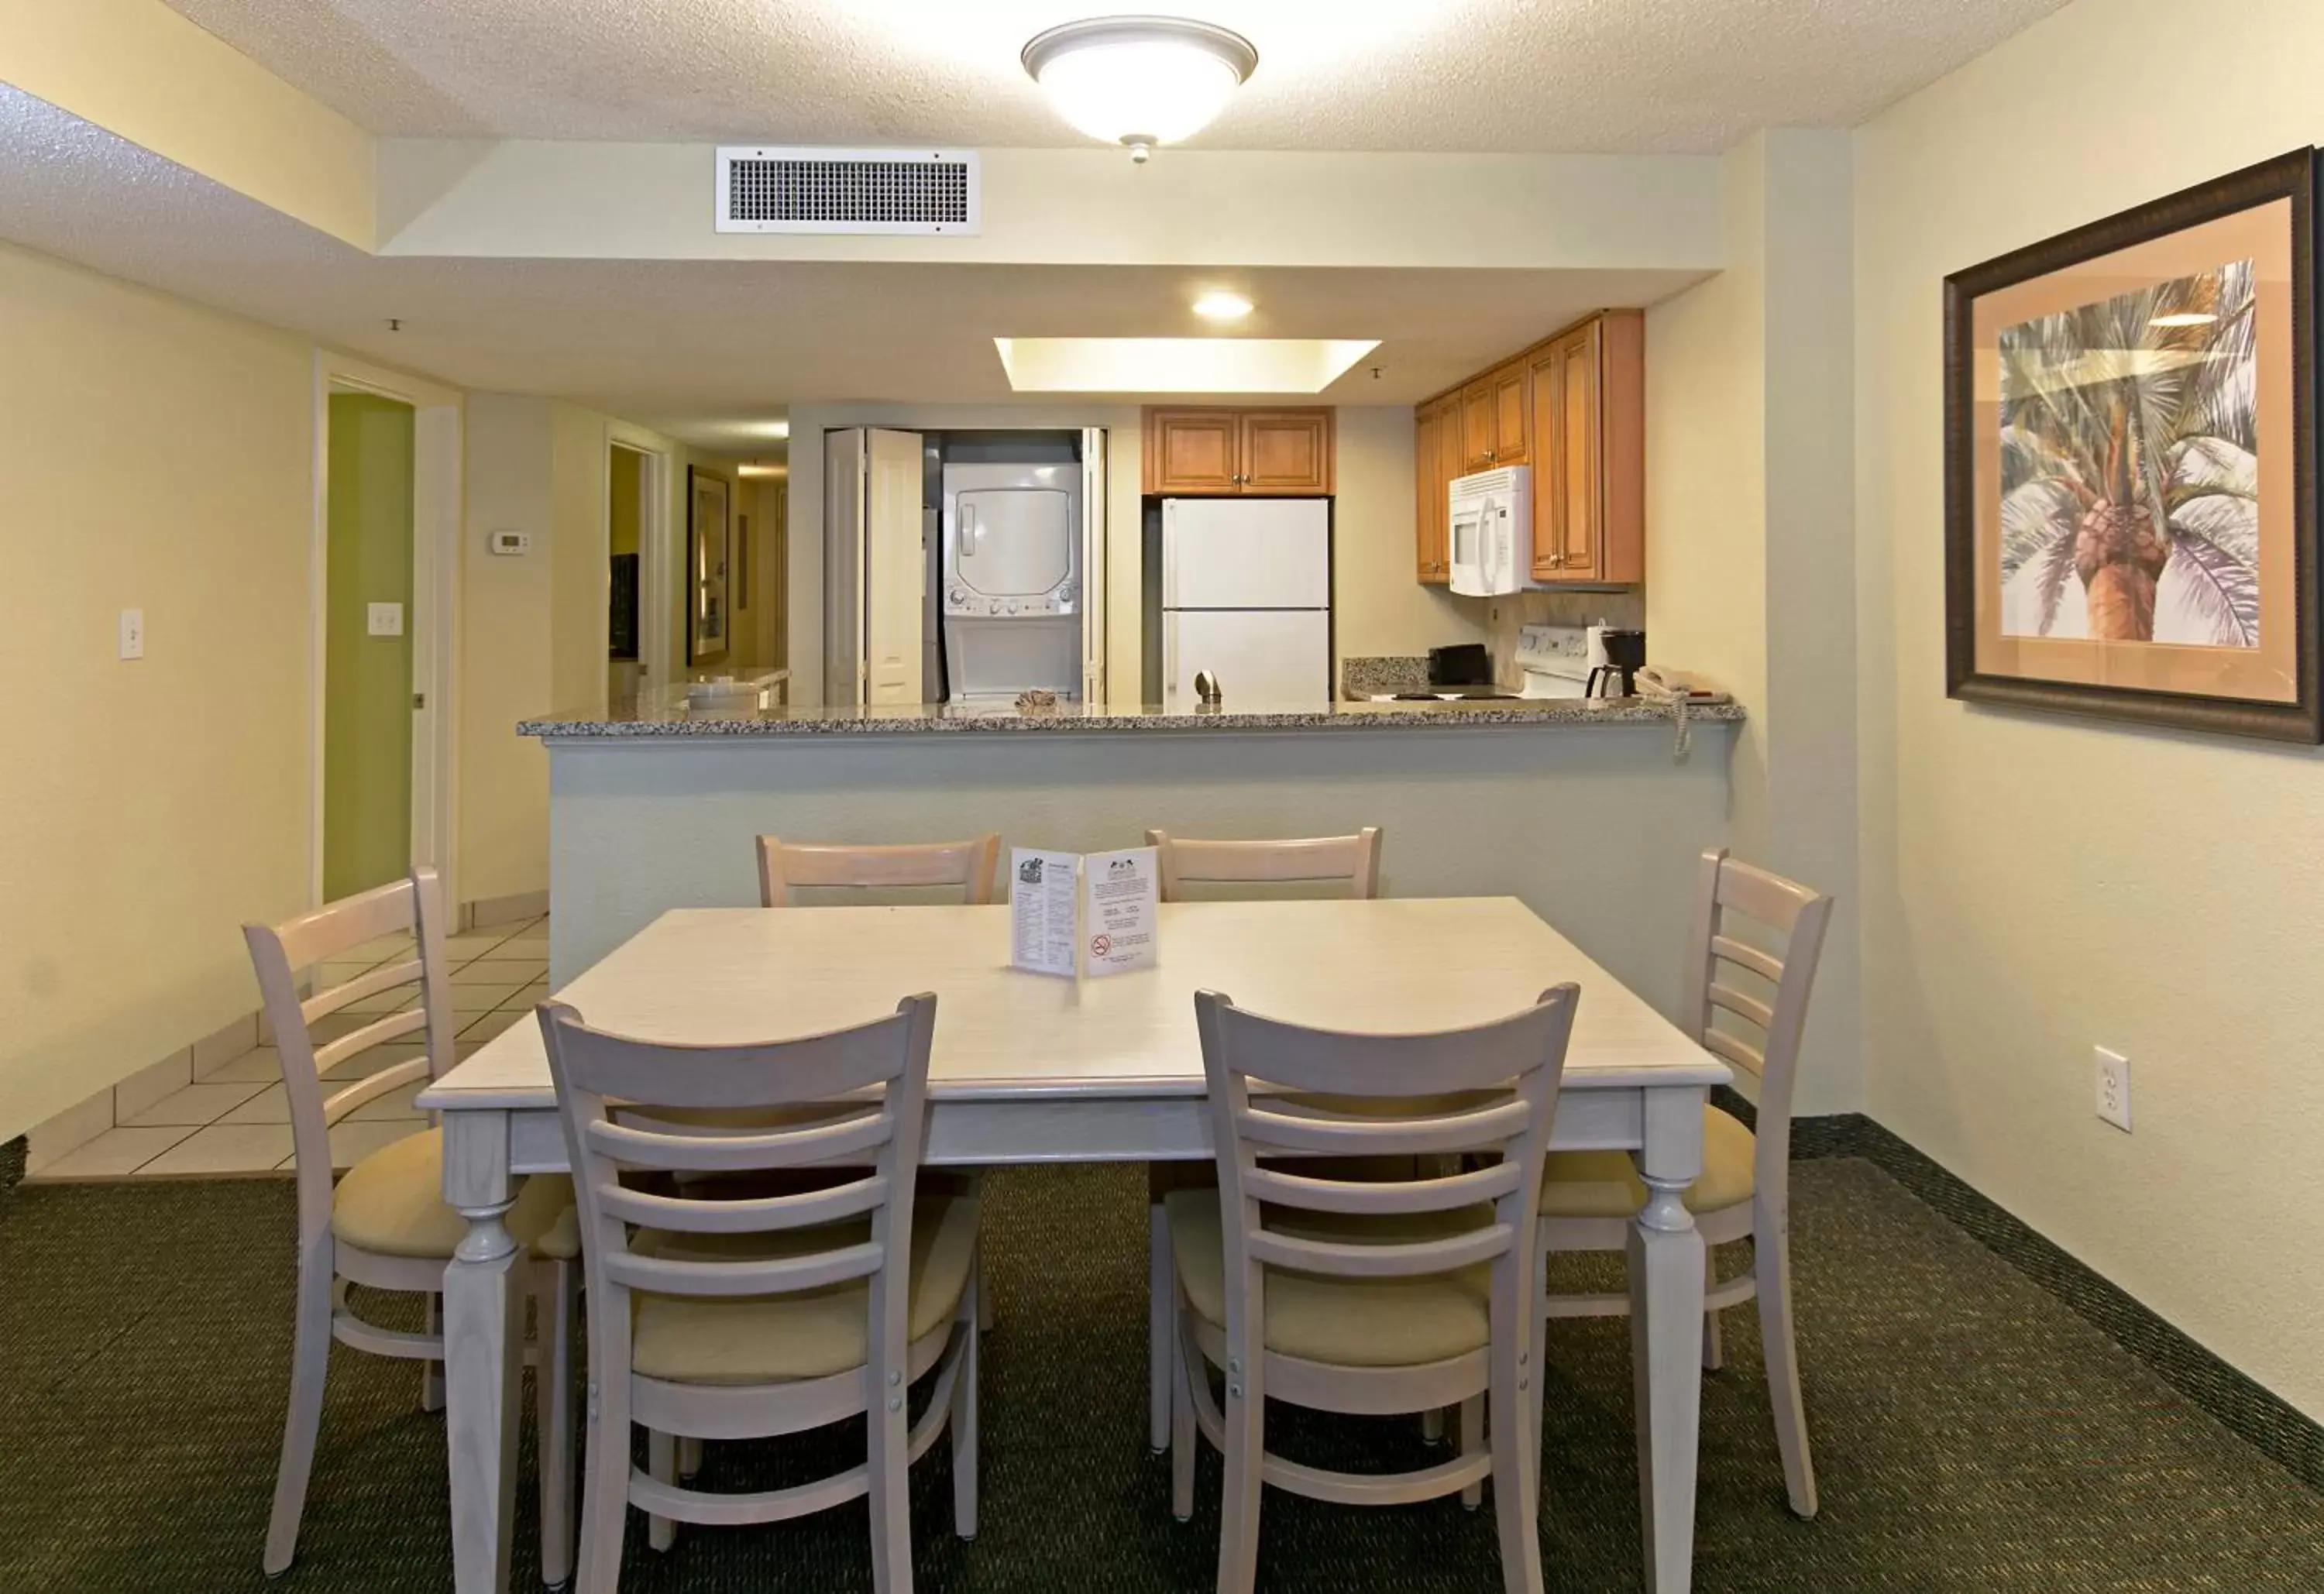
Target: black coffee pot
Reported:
point(1626, 655)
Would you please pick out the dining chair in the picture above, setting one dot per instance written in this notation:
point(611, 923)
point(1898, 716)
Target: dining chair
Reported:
point(770, 1314)
point(1745, 999)
point(785, 865)
point(1351, 861)
point(1372, 1297)
point(386, 1225)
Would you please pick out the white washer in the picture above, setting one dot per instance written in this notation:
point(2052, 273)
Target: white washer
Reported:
point(1012, 580)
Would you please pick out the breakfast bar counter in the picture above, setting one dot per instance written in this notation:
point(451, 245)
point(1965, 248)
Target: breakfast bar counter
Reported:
point(1592, 816)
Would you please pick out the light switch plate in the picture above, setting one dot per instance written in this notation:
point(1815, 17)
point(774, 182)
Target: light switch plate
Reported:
point(2114, 1088)
point(132, 633)
point(387, 619)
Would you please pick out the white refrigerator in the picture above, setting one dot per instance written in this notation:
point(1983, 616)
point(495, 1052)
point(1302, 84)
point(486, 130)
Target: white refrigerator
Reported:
point(1247, 595)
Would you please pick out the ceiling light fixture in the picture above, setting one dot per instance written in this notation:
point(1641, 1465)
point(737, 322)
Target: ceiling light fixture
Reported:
point(2183, 318)
point(1140, 81)
point(1222, 306)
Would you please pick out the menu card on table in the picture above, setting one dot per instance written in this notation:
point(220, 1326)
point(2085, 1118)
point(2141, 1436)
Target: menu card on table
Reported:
point(1073, 916)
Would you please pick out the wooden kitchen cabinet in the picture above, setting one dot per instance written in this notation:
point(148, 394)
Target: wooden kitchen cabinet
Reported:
point(1495, 416)
point(1223, 453)
point(1437, 459)
point(1588, 430)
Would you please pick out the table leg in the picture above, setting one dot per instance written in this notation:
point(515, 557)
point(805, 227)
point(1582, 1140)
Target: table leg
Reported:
point(484, 1351)
point(1666, 1291)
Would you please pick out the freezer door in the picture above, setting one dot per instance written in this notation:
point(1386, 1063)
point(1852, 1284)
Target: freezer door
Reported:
point(1280, 659)
point(1255, 553)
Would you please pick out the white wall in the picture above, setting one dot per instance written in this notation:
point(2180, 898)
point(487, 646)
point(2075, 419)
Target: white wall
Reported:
point(158, 456)
point(2040, 885)
point(1750, 538)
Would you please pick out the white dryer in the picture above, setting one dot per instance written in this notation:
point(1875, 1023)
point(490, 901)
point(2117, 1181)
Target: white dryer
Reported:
point(1012, 580)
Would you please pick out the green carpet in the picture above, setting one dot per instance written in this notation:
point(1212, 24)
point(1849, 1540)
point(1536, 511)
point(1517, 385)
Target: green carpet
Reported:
point(1972, 1432)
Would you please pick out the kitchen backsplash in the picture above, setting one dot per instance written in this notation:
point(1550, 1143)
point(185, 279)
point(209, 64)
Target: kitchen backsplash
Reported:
point(1556, 608)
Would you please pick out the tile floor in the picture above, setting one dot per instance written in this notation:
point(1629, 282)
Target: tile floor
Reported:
point(236, 1119)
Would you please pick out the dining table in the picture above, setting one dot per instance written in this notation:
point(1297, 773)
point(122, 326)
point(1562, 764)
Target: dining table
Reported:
point(1030, 1068)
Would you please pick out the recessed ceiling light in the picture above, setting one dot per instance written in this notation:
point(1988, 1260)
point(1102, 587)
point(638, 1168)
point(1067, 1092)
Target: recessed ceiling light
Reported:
point(1222, 306)
point(2183, 318)
point(1140, 81)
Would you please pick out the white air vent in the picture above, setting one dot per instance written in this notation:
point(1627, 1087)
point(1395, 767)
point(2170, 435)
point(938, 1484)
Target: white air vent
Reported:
point(807, 189)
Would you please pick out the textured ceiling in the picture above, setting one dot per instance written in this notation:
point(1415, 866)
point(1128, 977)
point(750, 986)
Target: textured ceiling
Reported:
point(1469, 75)
point(691, 346)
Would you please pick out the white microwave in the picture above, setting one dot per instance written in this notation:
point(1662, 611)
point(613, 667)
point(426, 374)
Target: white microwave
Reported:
point(1491, 532)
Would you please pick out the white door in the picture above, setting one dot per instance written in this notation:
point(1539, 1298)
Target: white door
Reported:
point(1093, 565)
point(1267, 659)
point(1249, 554)
point(842, 566)
point(895, 566)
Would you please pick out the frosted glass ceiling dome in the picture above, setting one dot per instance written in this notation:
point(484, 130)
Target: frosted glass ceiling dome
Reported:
point(1140, 81)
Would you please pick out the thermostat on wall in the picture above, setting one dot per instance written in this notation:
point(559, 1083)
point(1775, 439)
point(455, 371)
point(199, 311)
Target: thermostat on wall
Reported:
point(511, 543)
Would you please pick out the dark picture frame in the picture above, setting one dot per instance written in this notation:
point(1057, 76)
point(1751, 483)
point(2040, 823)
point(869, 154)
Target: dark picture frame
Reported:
point(708, 548)
point(2084, 378)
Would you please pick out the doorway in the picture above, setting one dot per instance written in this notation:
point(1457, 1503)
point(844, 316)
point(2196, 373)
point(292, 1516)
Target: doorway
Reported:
point(629, 478)
point(367, 659)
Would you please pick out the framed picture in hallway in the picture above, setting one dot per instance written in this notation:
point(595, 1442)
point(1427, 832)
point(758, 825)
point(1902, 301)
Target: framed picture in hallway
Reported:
point(2130, 465)
point(708, 549)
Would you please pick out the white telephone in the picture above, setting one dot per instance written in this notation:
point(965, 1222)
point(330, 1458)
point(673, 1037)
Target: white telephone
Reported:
point(1671, 685)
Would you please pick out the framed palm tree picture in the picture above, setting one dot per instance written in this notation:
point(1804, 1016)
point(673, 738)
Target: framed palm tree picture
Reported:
point(2130, 465)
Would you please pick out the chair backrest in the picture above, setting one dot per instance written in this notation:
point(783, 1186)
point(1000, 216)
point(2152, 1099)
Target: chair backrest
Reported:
point(413, 908)
point(1352, 859)
point(968, 864)
point(866, 1149)
point(1490, 1090)
point(1746, 992)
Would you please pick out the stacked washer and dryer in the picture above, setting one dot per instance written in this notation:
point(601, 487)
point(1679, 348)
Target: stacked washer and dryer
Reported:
point(1011, 585)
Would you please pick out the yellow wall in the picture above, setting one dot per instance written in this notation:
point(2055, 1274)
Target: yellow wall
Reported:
point(142, 71)
point(621, 501)
point(1378, 607)
point(159, 457)
point(2043, 885)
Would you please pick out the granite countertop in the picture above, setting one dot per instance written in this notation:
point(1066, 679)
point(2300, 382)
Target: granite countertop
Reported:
point(664, 721)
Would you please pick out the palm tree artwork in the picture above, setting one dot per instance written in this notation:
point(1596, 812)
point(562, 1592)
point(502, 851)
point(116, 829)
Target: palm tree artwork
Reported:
point(2130, 468)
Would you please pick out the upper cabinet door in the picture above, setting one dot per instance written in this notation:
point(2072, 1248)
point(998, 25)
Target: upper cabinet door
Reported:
point(1431, 478)
point(1480, 425)
point(1589, 432)
point(1512, 415)
point(1286, 451)
point(1193, 452)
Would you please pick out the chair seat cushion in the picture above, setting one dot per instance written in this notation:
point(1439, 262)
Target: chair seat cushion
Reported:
point(1606, 1184)
point(810, 1334)
point(1345, 1322)
point(392, 1202)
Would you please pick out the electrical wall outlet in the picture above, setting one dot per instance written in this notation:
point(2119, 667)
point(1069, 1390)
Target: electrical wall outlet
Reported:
point(2114, 1088)
point(132, 633)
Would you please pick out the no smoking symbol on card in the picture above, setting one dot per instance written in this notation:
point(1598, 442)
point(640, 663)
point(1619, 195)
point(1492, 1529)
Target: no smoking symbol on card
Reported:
point(1101, 946)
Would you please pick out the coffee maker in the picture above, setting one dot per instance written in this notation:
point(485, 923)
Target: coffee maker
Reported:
point(1616, 657)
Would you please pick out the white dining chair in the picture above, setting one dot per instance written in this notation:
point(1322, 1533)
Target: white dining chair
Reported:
point(757, 1315)
point(1358, 1295)
point(785, 866)
point(1745, 1000)
point(1351, 861)
point(1349, 864)
point(385, 1226)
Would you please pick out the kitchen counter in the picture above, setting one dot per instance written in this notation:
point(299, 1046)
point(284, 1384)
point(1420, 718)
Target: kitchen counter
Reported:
point(666, 720)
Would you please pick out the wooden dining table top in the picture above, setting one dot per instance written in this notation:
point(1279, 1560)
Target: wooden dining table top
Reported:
point(710, 976)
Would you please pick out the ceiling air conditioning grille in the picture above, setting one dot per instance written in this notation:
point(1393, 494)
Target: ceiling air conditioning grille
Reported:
point(808, 189)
